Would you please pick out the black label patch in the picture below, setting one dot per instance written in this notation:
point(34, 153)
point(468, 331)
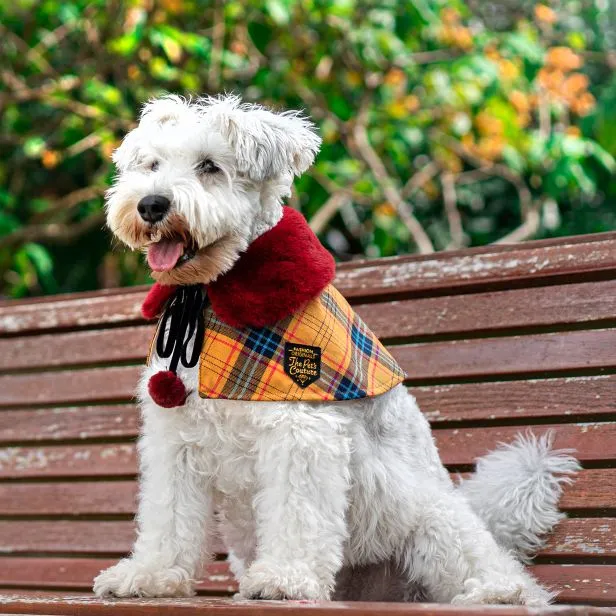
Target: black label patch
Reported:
point(302, 363)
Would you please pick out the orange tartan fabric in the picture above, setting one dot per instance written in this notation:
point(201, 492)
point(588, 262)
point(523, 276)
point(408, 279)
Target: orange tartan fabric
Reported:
point(321, 352)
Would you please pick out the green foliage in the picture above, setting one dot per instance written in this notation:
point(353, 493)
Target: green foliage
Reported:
point(445, 123)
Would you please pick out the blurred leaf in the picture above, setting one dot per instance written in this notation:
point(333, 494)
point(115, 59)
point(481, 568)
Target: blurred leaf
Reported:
point(443, 85)
point(34, 146)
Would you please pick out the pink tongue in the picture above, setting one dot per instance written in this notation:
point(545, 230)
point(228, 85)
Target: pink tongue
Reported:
point(163, 255)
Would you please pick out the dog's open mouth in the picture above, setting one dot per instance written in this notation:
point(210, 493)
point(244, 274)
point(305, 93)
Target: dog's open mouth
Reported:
point(167, 253)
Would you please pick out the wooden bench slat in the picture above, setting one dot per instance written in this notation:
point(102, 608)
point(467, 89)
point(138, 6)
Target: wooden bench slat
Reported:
point(511, 355)
point(66, 536)
point(474, 268)
point(68, 498)
point(582, 537)
point(502, 400)
point(577, 583)
point(567, 304)
point(52, 572)
point(74, 537)
point(591, 538)
point(69, 311)
point(113, 459)
point(505, 400)
point(452, 271)
point(78, 603)
point(593, 490)
point(534, 354)
point(70, 386)
point(552, 306)
point(591, 441)
point(457, 446)
point(76, 348)
point(76, 422)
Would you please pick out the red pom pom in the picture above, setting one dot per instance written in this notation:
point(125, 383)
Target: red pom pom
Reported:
point(167, 389)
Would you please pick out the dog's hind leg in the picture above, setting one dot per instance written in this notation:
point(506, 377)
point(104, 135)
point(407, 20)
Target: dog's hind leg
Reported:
point(302, 470)
point(456, 559)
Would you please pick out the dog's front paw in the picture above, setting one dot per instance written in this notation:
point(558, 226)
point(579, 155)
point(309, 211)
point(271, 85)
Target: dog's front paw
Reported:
point(130, 578)
point(281, 581)
point(508, 592)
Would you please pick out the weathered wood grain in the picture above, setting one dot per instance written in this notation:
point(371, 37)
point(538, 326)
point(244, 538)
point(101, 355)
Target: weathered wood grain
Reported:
point(70, 386)
point(98, 346)
point(591, 441)
point(558, 399)
point(75, 422)
point(68, 499)
point(73, 537)
point(109, 459)
point(553, 306)
point(79, 604)
point(477, 268)
point(453, 271)
point(71, 311)
point(530, 400)
point(510, 355)
point(484, 312)
point(588, 538)
point(66, 536)
point(594, 490)
point(576, 583)
point(78, 573)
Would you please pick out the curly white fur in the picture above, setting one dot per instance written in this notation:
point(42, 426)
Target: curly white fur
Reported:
point(308, 492)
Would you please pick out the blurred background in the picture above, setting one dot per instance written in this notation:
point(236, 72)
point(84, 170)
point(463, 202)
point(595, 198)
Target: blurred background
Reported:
point(445, 123)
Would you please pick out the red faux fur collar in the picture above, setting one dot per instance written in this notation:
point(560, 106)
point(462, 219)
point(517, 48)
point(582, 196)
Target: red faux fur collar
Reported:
point(280, 271)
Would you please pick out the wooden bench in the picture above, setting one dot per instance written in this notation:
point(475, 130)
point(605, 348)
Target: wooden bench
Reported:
point(494, 340)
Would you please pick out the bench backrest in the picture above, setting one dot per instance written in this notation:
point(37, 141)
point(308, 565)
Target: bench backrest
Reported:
point(494, 340)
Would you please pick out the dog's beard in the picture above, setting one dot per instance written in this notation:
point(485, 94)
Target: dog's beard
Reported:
point(194, 265)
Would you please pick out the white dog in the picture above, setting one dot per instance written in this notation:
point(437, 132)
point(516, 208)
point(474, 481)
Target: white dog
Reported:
point(307, 492)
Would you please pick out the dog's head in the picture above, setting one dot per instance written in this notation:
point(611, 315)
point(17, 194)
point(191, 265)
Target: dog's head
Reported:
point(198, 181)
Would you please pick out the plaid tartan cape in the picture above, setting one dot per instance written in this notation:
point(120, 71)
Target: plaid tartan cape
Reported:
point(276, 329)
point(322, 352)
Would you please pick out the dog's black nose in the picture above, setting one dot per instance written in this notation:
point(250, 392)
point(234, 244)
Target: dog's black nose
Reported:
point(152, 208)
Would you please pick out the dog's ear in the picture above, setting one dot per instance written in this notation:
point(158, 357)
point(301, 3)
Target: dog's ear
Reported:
point(167, 109)
point(266, 144)
point(155, 113)
point(127, 153)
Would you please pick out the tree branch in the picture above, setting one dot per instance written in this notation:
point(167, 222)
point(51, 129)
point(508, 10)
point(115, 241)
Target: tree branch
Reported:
point(330, 186)
point(487, 166)
point(458, 237)
point(388, 186)
point(328, 210)
point(54, 232)
point(525, 231)
point(417, 180)
point(218, 43)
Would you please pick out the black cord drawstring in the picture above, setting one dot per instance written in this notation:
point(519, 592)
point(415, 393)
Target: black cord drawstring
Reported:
point(183, 317)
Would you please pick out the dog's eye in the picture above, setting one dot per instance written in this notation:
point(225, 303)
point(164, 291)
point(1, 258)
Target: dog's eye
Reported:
point(154, 166)
point(207, 166)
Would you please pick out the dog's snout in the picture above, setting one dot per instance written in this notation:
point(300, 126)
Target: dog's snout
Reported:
point(152, 208)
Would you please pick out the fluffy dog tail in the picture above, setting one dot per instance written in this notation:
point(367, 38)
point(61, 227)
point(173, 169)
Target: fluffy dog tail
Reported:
point(516, 489)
